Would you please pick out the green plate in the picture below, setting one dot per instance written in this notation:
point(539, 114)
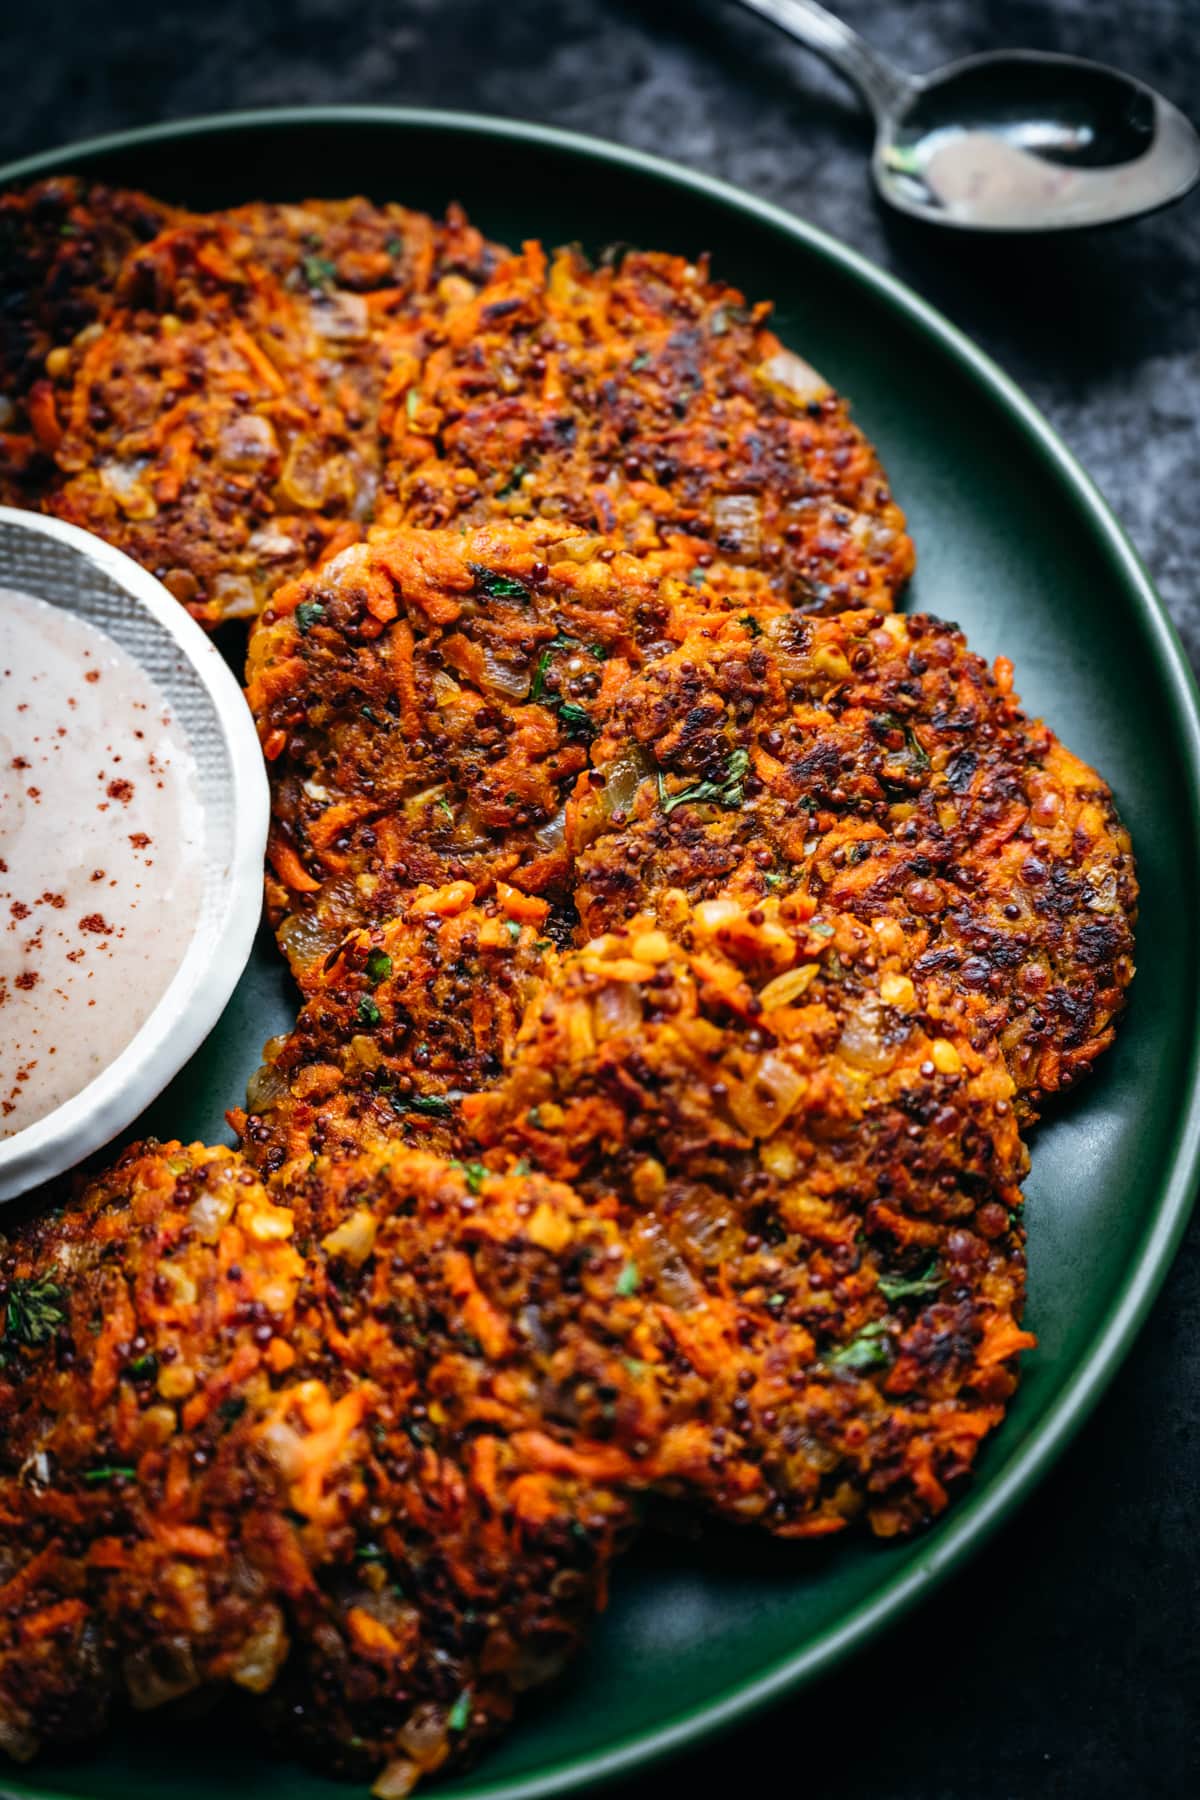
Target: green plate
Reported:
point(1016, 545)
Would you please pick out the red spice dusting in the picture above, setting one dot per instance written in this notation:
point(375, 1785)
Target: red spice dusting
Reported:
point(19, 909)
point(97, 874)
point(95, 922)
point(28, 978)
point(55, 900)
point(92, 675)
point(140, 840)
point(20, 762)
point(120, 790)
point(34, 793)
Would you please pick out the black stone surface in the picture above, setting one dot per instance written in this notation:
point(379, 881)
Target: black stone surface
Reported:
point(1065, 1661)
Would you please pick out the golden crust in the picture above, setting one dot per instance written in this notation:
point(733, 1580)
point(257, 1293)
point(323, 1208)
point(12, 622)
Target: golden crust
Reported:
point(269, 1442)
point(643, 400)
point(888, 773)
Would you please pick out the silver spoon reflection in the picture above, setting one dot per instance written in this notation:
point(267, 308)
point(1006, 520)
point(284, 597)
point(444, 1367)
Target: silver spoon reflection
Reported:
point(1017, 140)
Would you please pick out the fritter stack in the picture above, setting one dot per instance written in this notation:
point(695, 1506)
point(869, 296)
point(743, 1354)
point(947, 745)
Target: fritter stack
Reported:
point(683, 940)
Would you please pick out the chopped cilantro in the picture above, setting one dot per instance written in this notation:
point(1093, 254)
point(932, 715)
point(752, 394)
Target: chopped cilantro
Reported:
point(513, 483)
point(34, 1312)
point(915, 748)
point(869, 1348)
point(497, 586)
point(307, 614)
point(460, 1712)
point(514, 929)
point(444, 806)
point(110, 1472)
point(475, 1174)
point(434, 1106)
point(368, 1012)
point(379, 967)
point(144, 1368)
point(751, 623)
point(576, 721)
point(318, 271)
point(640, 361)
point(627, 1280)
point(412, 401)
point(908, 1287)
point(728, 793)
point(369, 1553)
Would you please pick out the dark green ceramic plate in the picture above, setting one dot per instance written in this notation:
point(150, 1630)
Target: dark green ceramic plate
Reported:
point(1016, 545)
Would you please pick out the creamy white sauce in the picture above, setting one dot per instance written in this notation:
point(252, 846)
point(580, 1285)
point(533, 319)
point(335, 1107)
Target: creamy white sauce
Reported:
point(978, 175)
point(101, 858)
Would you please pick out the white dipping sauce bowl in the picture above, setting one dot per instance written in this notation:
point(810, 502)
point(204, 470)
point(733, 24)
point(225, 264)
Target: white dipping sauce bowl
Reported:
point(74, 569)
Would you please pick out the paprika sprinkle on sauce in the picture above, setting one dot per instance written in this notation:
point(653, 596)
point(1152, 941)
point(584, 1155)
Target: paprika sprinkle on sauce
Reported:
point(100, 853)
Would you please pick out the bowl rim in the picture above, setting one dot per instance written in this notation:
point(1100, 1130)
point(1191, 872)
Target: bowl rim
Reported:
point(978, 1515)
point(198, 991)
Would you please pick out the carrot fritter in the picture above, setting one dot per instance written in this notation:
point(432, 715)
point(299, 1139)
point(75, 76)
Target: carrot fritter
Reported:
point(645, 400)
point(787, 1132)
point(426, 705)
point(62, 245)
point(221, 422)
point(402, 1019)
point(879, 768)
point(275, 1443)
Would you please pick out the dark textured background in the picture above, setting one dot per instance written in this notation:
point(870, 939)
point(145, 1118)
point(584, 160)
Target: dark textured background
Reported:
point(1064, 1662)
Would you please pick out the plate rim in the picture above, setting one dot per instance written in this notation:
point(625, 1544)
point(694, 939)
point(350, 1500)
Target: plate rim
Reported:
point(980, 1513)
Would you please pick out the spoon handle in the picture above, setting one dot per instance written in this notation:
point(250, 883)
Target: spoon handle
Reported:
point(883, 86)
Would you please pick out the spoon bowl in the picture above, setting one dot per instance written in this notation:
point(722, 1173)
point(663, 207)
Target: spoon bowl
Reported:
point(1017, 140)
point(1029, 141)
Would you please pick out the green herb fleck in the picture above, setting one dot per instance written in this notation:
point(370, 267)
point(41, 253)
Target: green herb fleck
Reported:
point(869, 1348)
point(460, 1712)
point(521, 1167)
point(534, 1117)
point(379, 967)
point(728, 792)
point(640, 361)
point(821, 928)
point(368, 1012)
point(412, 402)
point(34, 1312)
point(696, 578)
point(394, 246)
point(627, 1280)
point(144, 1368)
point(370, 1553)
point(774, 881)
point(318, 271)
point(576, 721)
point(539, 675)
point(514, 929)
point(497, 586)
point(232, 1409)
point(513, 483)
point(475, 1174)
point(751, 623)
point(720, 322)
point(110, 1472)
point(434, 1106)
point(307, 614)
point(916, 749)
point(908, 1287)
point(444, 806)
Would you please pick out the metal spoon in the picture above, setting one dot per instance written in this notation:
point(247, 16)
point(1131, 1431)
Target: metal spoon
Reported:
point(1017, 140)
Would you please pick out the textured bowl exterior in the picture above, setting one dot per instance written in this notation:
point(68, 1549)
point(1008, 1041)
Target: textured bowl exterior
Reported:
point(78, 571)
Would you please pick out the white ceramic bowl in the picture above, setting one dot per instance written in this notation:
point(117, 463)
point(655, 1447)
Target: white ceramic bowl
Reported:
point(72, 568)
